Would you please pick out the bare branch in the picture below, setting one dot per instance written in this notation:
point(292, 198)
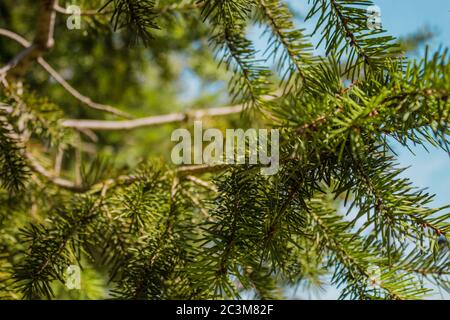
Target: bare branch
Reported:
point(201, 169)
point(64, 11)
point(77, 95)
point(179, 8)
point(201, 183)
point(43, 41)
point(183, 171)
point(58, 78)
point(14, 36)
point(105, 125)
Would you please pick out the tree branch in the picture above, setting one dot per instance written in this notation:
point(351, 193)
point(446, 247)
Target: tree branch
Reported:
point(43, 41)
point(60, 182)
point(150, 121)
point(105, 125)
point(162, 9)
point(183, 171)
point(45, 25)
point(64, 11)
point(77, 95)
point(202, 183)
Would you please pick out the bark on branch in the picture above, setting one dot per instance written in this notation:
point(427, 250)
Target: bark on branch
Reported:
point(58, 78)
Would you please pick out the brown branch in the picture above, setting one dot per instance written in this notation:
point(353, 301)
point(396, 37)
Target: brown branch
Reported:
point(105, 125)
point(14, 36)
point(60, 182)
point(177, 7)
point(150, 121)
point(64, 11)
point(183, 171)
point(162, 9)
point(45, 25)
point(201, 169)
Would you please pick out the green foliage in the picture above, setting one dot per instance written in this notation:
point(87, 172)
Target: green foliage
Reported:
point(343, 26)
point(53, 248)
point(339, 206)
point(289, 48)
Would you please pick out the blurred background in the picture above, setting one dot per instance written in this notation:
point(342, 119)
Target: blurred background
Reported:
point(178, 72)
point(421, 23)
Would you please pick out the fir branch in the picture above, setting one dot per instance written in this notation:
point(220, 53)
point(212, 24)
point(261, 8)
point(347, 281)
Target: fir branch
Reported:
point(353, 256)
point(14, 171)
point(137, 15)
point(49, 252)
point(343, 21)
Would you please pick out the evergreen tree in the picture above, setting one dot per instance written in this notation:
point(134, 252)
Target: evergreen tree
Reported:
point(90, 184)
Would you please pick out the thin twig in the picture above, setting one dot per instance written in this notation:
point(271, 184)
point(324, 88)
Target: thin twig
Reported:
point(105, 125)
point(59, 160)
point(201, 183)
point(77, 95)
point(60, 182)
point(149, 121)
point(43, 41)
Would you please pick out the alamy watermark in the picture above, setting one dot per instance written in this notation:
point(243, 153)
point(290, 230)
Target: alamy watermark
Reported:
point(251, 146)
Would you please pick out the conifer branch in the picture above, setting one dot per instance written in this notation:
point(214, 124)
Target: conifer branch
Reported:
point(342, 22)
point(58, 78)
point(293, 41)
point(43, 41)
point(215, 230)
